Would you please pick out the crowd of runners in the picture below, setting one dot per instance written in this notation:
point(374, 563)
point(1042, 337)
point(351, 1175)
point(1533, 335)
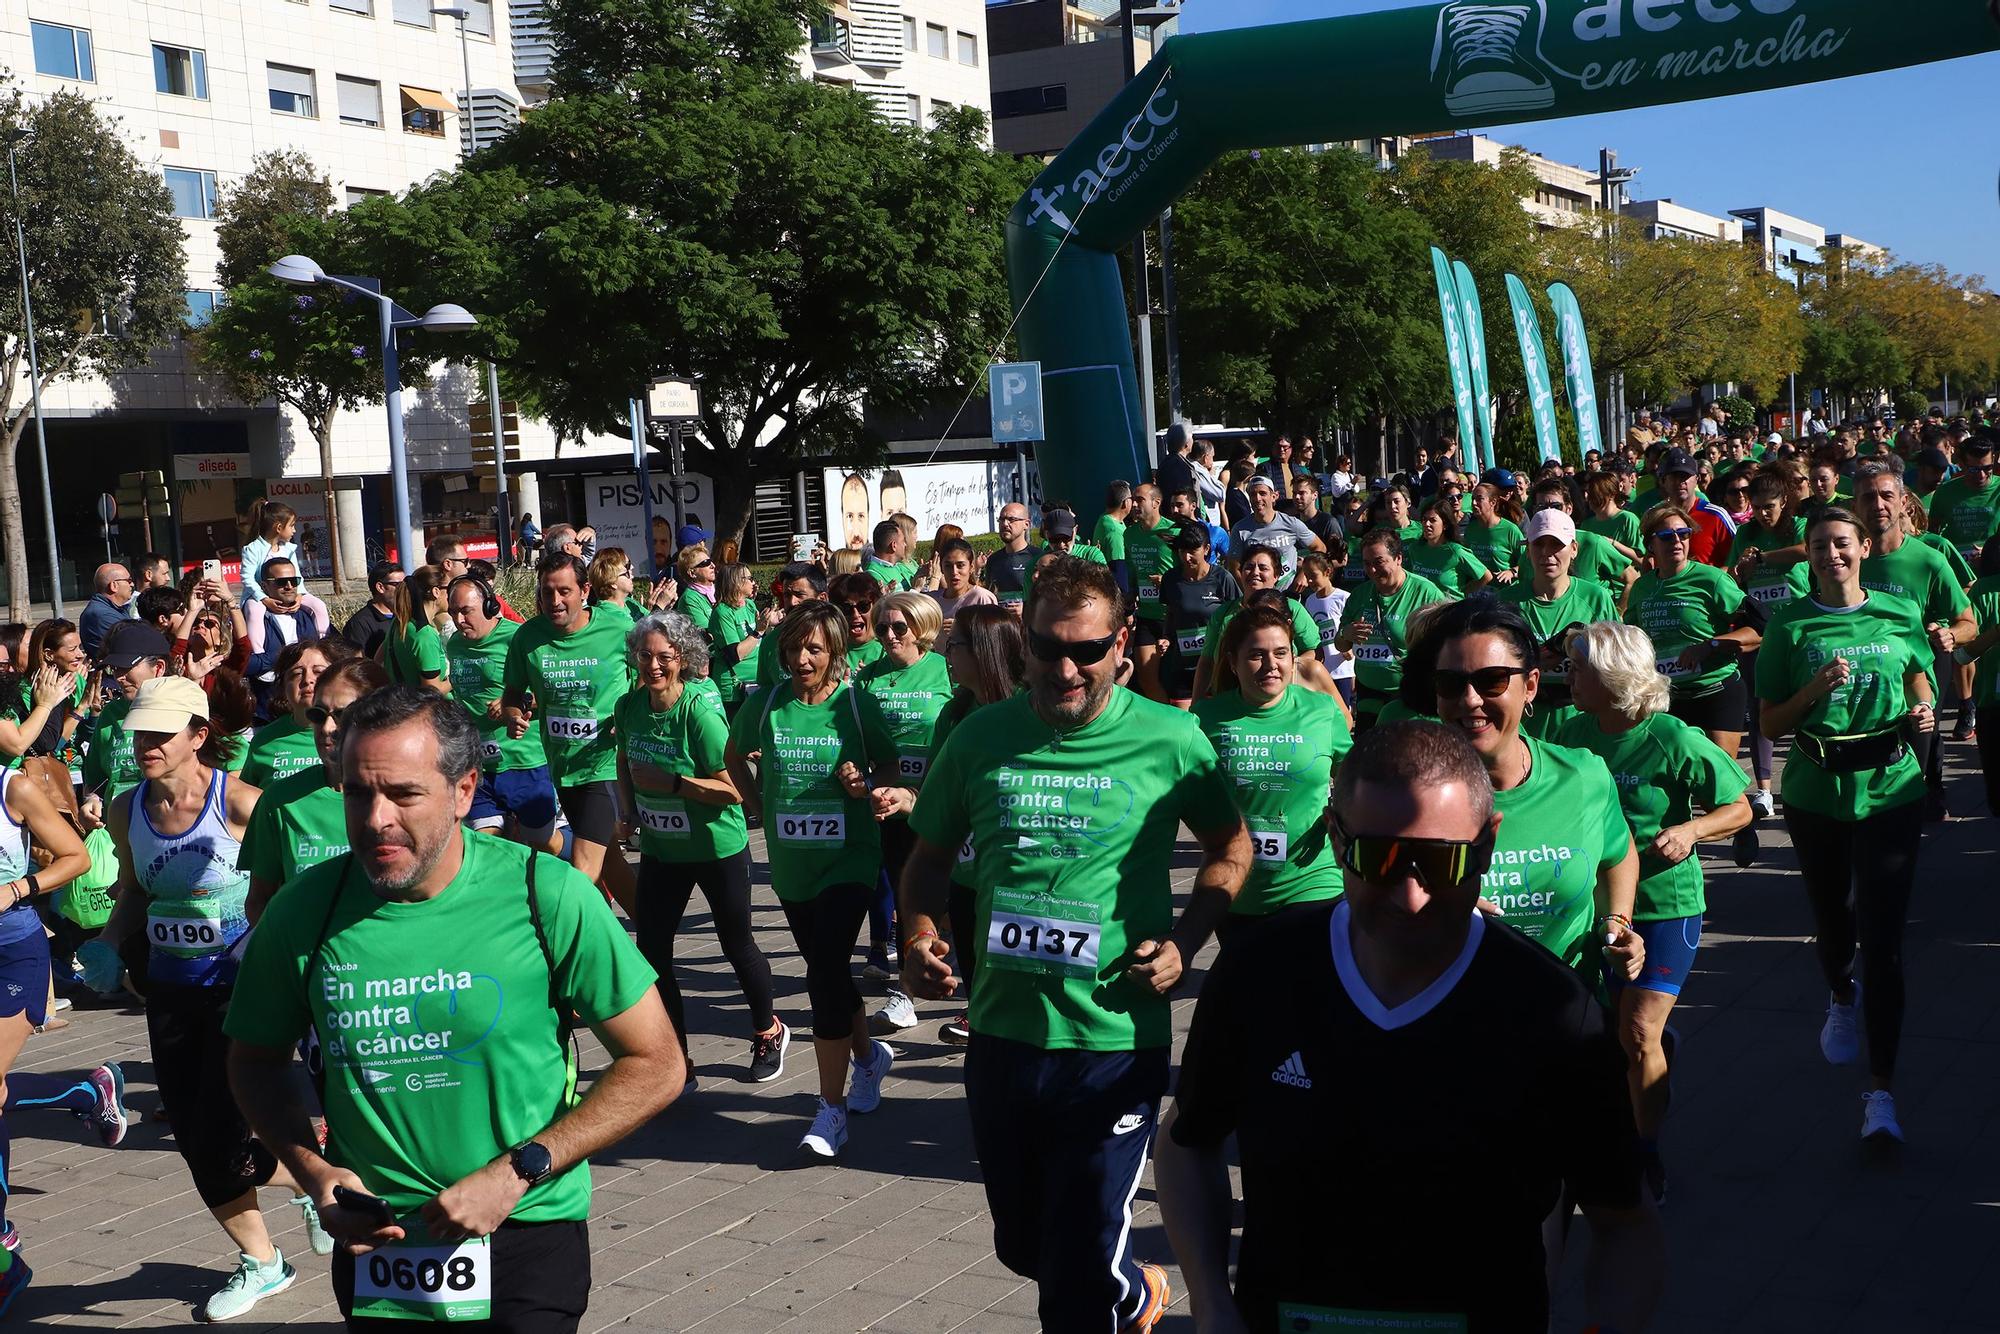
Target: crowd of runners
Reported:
point(1447, 746)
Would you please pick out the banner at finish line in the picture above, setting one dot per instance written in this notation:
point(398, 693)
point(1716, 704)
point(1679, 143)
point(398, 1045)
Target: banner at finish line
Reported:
point(1454, 349)
point(1535, 360)
point(1576, 367)
point(1475, 355)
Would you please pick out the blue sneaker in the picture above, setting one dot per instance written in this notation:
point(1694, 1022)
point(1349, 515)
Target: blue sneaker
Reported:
point(109, 1119)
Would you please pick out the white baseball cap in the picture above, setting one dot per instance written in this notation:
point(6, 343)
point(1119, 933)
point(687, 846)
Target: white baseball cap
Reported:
point(1552, 523)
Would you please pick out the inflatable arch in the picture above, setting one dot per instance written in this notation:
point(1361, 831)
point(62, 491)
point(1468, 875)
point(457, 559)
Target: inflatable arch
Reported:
point(1404, 71)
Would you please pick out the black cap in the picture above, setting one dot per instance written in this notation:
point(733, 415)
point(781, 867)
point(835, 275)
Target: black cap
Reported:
point(1934, 458)
point(1621, 465)
point(129, 641)
point(1678, 461)
point(1059, 523)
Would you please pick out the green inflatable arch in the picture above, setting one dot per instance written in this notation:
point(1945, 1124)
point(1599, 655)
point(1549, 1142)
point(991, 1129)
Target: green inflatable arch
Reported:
point(1405, 71)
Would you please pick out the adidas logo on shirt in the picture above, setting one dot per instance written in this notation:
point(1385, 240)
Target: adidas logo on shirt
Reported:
point(1292, 1072)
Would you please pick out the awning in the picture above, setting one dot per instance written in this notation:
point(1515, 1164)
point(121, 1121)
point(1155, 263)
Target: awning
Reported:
point(429, 101)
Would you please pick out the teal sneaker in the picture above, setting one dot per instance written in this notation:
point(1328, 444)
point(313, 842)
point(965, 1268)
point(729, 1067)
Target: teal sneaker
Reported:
point(251, 1283)
point(13, 1282)
point(318, 1237)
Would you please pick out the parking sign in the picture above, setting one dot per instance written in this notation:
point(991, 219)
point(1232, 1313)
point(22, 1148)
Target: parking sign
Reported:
point(1016, 391)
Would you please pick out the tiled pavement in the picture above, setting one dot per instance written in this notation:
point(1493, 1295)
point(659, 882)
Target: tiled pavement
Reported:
point(708, 1220)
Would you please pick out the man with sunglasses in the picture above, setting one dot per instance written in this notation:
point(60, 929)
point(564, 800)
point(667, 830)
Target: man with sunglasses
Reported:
point(1073, 793)
point(276, 621)
point(1402, 988)
point(1966, 509)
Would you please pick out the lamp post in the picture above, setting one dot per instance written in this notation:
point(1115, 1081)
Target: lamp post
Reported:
point(466, 143)
point(15, 135)
point(674, 401)
point(446, 318)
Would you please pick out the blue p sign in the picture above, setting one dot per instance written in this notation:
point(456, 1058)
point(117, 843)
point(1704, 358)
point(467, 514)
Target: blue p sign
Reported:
point(1016, 390)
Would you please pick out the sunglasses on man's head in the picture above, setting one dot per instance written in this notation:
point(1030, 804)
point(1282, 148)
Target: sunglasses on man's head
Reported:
point(1490, 682)
point(1082, 652)
point(1435, 863)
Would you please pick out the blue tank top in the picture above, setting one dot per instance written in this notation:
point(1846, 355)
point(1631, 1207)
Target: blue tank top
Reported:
point(195, 893)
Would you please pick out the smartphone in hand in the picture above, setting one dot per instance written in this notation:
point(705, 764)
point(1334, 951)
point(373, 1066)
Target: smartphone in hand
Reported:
point(373, 1207)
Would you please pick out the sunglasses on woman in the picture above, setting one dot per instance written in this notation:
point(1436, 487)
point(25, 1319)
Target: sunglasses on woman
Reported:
point(896, 629)
point(1082, 652)
point(1674, 535)
point(1435, 863)
point(318, 715)
point(1490, 682)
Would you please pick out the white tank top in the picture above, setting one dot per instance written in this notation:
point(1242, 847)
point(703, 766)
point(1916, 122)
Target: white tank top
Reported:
point(196, 894)
point(19, 921)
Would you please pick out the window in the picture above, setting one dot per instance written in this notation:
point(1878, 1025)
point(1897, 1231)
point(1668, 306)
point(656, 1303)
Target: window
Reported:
point(480, 24)
point(292, 90)
point(180, 71)
point(416, 13)
point(940, 40)
point(201, 307)
point(193, 192)
point(365, 7)
point(63, 53)
point(1011, 102)
point(423, 111)
point(833, 36)
point(913, 109)
point(968, 49)
point(360, 100)
point(356, 193)
point(909, 33)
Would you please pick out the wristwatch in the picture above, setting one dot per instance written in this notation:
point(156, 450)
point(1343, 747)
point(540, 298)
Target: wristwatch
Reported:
point(532, 1163)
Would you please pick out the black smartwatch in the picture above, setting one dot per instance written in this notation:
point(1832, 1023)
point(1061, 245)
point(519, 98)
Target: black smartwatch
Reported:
point(532, 1163)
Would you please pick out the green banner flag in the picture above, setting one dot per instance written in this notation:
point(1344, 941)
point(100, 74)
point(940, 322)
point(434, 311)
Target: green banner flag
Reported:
point(1454, 349)
point(1576, 367)
point(1535, 360)
point(1475, 356)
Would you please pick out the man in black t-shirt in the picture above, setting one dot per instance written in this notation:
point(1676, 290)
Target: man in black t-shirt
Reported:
point(367, 628)
point(1413, 1089)
point(1190, 592)
point(1007, 569)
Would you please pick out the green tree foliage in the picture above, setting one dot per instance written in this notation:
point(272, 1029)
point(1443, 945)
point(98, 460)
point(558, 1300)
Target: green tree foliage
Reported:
point(1851, 357)
point(105, 266)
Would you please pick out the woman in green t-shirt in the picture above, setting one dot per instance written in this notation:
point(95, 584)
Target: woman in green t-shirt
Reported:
point(1606, 516)
point(1374, 625)
point(1553, 603)
point(1848, 671)
point(413, 651)
point(1440, 556)
point(673, 777)
point(694, 577)
point(1664, 770)
point(825, 764)
point(1493, 536)
point(1279, 743)
point(734, 632)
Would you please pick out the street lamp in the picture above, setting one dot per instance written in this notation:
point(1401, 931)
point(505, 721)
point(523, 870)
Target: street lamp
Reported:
point(15, 135)
point(461, 14)
point(446, 318)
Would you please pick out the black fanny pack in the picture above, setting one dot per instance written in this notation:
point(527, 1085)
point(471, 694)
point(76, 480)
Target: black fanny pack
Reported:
point(1852, 754)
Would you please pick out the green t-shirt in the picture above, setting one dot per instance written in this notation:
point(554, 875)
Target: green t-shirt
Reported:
point(697, 606)
point(577, 680)
point(1073, 848)
point(729, 627)
point(299, 822)
point(1882, 639)
point(1150, 557)
point(1664, 769)
point(1109, 537)
point(1582, 603)
point(1280, 763)
point(1966, 515)
point(1378, 664)
point(1986, 673)
point(1961, 569)
point(1920, 576)
point(1448, 565)
point(414, 656)
point(1769, 584)
point(478, 669)
point(911, 698)
point(280, 748)
point(442, 1048)
point(109, 766)
point(1557, 831)
point(861, 655)
point(889, 574)
point(1691, 607)
point(1620, 526)
point(687, 739)
point(1498, 547)
point(815, 835)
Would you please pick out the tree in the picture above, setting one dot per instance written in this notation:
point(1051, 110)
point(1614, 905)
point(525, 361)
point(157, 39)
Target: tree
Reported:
point(1852, 357)
point(313, 350)
point(1302, 298)
point(106, 273)
point(686, 201)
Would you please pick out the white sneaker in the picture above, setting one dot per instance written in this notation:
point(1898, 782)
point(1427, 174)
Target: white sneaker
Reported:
point(864, 1085)
point(1840, 1036)
point(894, 1016)
point(1763, 803)
point(828, 1135)
point(1878, 1116)
point(1485, 54)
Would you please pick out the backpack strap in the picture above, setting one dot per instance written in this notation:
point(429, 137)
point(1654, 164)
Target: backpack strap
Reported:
point(566, 1037)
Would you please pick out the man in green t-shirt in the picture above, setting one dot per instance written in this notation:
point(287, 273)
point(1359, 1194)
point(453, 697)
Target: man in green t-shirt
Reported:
point(1072, 794)
point(442, 972)
point(1109, 534)
point(516, 796)
point(1148, 556)
point(568, 667)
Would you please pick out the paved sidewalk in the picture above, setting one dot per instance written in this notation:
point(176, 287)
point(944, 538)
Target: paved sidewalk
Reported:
point(709, 1220)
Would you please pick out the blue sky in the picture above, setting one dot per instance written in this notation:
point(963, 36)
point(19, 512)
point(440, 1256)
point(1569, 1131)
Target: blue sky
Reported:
point(1905, 159)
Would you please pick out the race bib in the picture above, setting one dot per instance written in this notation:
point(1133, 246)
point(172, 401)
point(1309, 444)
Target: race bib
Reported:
point(1269, 845)
point(1343, 1320)
point(814, 827)
point(187, 934)
point(571, 729)
point(1039, 933)
point(1672, 669)
point(1191, 642)
point(1771, 593)
point(489, 752)
point(1149, 592)
point(1374, 653)
point(418, 1282)
point(913, 767)
point(669, 818)
point(965, 853)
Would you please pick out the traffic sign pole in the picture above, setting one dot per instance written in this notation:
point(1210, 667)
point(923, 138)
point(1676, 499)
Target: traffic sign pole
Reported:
point(673, 401)
point(504, 522)
point(645, 487)
point(1014, 389)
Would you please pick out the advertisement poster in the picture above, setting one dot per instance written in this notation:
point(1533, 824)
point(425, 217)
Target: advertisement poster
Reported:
point(967, 494)
point(615, 509)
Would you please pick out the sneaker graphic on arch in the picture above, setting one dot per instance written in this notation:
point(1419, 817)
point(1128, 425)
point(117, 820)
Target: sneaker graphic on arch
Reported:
point(1486, 54)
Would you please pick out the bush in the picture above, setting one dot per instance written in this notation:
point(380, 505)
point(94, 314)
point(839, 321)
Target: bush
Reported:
point(1911, 405)
point(1742, 412)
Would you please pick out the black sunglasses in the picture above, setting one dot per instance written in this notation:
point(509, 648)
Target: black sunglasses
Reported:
point(1435, 863)
point(282, 583)
point(1490, 682)
point(319, 715)
point(1082, 652)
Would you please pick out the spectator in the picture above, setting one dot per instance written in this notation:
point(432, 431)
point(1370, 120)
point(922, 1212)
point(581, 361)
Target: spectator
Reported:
point(161, 608)
point(561, 540)
point(367, 628)
point(274, 624)
point(155, 571)
point(109, 604)
point(1176, 472)
point(531, 537)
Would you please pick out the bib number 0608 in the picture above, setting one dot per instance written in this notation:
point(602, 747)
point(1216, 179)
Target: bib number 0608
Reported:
point(430, 1275)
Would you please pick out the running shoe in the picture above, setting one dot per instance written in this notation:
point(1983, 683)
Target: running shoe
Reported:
point(61, 1003)
point(828, 1135)
point(1154, 1304)
point(317, 1237)
point(1744, 846)
point(1878, 1116)
point(1840, 1037)
point(1763, 803)
point(864, 1086)
point(767, 1054)
point(11, 1238)
point(1965, 731)
point(895, 1015)
point(109, 1118)
point(13, 1282)
point(251, 1283)
point(958, 1032)
point(881, 966)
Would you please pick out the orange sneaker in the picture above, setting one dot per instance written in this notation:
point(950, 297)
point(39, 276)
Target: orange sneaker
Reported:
point(1158, 1294)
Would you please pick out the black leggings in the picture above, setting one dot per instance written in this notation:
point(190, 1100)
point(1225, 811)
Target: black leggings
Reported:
point(190, 1066)
point(664, 890)
point(825, 929)
point(965, 942)
point(1988, 723)
point(1859, 874)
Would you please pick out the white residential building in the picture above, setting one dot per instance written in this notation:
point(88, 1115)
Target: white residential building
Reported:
point(1663, 217)
point(1564, 195)
point(911, 58)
